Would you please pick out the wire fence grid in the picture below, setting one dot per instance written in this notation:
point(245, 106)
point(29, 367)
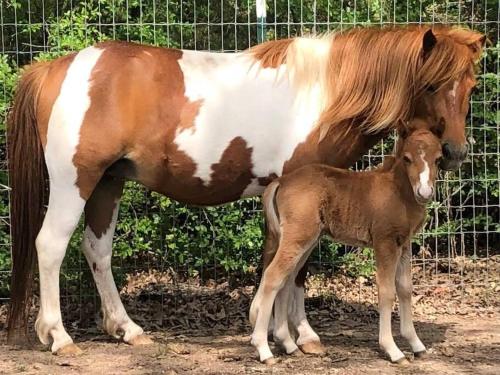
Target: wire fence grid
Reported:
point(463, 222)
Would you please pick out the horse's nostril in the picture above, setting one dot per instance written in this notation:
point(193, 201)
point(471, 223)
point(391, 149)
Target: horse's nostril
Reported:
point(446, 150)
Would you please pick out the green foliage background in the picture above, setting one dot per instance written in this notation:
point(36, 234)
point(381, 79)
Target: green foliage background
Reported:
point(154, 231)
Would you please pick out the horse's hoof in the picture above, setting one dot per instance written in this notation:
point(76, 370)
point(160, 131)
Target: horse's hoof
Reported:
point(421, 355)
point(313, 347)
point(140, 340)
point(296, 353)
point(270, 361)
point(70, 350)
point(401, 362)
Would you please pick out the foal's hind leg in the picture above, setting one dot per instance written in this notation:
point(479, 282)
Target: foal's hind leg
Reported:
point(404, 288)
point(101, 212)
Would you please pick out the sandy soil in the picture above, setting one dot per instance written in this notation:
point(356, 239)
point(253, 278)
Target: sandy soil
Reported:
point(202, 328)
point(458, 345)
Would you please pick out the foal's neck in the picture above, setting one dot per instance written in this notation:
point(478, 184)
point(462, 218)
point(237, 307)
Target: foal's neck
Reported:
point(402, 182)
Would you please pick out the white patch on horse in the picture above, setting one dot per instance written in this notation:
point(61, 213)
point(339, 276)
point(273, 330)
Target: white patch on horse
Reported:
point(65, 204)
point(68, 112)
point(425, 189)
point(453, 92)
point(240, 99)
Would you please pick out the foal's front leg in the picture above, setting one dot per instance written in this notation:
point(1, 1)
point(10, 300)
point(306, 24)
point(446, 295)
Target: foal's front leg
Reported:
point(387, 256)
point(404, 288)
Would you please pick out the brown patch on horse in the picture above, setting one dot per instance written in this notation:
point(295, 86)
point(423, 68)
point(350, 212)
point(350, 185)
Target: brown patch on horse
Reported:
point(189, 113)
point(101, 204)
point(271, 54)
point(131, 134)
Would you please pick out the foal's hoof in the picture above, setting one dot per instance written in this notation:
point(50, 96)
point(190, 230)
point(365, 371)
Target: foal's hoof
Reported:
point(313, 347)
point(401, 362)
point(140, 340)
point(70, 350)
point(270, 361)
point(421, 355)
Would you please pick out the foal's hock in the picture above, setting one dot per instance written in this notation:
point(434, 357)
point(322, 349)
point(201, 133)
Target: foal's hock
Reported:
point(382, 209)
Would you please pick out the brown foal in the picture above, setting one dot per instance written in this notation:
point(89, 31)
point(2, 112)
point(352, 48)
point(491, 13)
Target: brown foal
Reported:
point(382, 209)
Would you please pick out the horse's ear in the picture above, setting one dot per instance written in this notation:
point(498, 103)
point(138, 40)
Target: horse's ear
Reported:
point(428, 43)
point(477, 46)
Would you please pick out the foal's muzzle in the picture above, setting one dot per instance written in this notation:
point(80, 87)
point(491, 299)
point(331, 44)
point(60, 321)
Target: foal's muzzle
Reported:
point(423, 196)
point(453, 156)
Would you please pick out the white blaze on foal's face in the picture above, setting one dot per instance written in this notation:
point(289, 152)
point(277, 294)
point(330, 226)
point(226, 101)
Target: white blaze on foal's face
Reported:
point(424, 187)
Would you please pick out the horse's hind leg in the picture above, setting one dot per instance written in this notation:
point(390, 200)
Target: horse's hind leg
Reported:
point(307, 340)
point(101, 212)
point(63, 213)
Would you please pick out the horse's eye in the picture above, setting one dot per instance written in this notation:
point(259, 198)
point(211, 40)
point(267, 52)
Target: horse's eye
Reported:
point(431, 88)
point(407, 159)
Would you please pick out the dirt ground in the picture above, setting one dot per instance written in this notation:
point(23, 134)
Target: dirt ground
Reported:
point(203, 329)
point(457, 345)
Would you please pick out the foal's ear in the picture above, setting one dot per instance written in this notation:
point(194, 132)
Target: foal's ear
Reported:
point(428, 43)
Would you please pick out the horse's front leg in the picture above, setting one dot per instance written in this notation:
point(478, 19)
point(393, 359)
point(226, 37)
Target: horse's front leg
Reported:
point(101, 212)
point(404, 287)
point(387, 256)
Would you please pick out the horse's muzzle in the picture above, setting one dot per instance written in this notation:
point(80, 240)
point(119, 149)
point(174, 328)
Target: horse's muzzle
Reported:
point(453, 156)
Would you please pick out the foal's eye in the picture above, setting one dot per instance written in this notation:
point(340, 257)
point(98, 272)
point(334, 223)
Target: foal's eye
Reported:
point(407, 159)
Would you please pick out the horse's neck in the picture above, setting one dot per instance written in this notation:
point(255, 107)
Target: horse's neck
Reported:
point(343, 147)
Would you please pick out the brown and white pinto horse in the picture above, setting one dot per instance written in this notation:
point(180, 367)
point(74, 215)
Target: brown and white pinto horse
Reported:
point(206, 128)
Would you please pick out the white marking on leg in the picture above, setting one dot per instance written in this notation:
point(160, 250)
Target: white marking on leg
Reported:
point(386, 296)
point(299, 319)
point(281, 331)
point(58, 226)
point(404, 291)
point(65, 204)
point(260, 313)
point(98, 252)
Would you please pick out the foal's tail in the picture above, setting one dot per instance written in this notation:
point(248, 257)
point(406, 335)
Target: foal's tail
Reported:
point(273, 231)
point(28, 182)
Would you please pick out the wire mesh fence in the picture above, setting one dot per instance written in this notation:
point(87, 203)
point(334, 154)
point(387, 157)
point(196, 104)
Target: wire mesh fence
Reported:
point(224, 243)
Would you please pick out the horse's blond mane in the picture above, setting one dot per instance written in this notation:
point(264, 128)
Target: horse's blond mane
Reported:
point(362, 83)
